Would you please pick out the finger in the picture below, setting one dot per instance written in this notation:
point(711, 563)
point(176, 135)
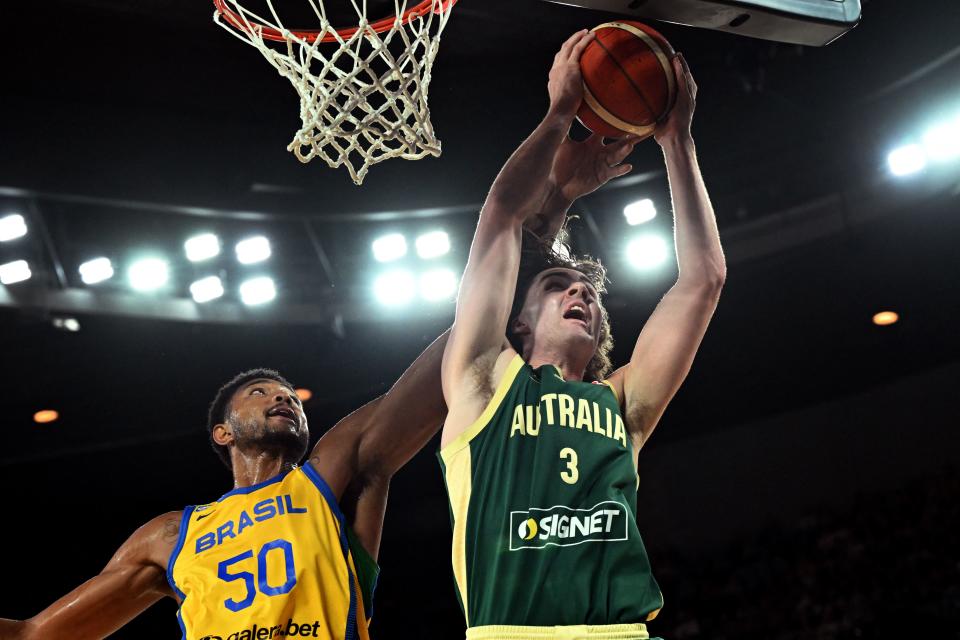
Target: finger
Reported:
point(617, 155)
point(620, 170)
point(568, 44)
point(582, 44)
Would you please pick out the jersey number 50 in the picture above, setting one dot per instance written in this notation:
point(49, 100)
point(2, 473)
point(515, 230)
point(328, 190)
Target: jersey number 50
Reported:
point(260, 580)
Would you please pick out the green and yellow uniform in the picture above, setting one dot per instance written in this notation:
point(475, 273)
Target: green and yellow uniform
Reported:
point(542, 490)
point(272, 560)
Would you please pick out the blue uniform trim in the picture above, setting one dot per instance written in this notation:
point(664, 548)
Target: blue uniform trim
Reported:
point(327, 492)
point(351, 631)
point(243, 490)
point(184, 523)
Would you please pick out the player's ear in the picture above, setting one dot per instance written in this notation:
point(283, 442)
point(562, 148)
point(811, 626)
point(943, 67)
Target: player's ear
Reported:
point(519, 326)
point(222, 434)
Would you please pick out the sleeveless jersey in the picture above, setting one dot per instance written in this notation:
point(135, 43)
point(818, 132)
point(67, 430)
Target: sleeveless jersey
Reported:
point(543, 500)
point(272, 560)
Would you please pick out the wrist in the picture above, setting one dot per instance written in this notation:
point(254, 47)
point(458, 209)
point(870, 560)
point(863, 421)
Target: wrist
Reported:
point(560, 116)
point(676, 142)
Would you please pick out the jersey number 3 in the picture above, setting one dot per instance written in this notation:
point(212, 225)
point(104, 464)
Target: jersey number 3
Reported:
point(571, 474)
point(260, 580)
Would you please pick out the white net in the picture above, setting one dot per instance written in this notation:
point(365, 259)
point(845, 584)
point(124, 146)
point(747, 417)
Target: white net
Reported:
point(363, 95)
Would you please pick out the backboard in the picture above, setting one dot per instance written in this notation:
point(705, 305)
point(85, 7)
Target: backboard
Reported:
point(809, 22)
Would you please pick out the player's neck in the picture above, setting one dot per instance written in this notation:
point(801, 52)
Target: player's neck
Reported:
point(572, 366)
point(250, 469)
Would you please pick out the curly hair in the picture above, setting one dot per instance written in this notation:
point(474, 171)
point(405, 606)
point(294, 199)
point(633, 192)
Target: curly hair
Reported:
point(539, 254)
point(220, 406)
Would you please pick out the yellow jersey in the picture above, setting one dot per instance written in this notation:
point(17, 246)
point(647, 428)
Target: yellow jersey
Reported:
point(273, 560)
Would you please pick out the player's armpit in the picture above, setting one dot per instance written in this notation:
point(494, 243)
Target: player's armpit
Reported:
point(134, 579)
point(663, 355)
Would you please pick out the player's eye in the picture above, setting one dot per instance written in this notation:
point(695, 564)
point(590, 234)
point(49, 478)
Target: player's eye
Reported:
point(257, 390)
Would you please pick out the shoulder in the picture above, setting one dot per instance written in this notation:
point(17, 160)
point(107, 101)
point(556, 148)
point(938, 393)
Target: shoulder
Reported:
point(151, 544)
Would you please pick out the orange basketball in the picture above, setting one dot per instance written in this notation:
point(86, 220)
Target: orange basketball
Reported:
point(628, 80)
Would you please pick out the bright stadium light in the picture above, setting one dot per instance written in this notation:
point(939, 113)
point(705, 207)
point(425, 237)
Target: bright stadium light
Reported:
point(390, 247)
point(640, 211)
point(13, 272)
point(258, 291)
point(438, 284)
point(433, 244)
point(253, 250)
point(941, 142)
point(907, 160)
point(395, 288)
point(66, 324)
point(202, 247)
point(647, 251)
point(96, 270)
point(148, 274)
point(12, 227)
point(206, 289)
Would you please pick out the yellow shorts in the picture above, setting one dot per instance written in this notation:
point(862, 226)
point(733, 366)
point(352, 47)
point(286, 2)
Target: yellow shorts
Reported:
point(576, 632)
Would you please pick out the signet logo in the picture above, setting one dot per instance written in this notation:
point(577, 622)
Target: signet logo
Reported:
point(562, 526)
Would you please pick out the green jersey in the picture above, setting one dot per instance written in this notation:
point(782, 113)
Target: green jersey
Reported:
point(543, 498)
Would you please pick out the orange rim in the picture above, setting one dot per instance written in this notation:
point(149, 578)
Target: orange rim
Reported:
point(385, 24)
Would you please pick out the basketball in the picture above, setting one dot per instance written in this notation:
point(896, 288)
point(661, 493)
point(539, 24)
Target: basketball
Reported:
point(628, 80)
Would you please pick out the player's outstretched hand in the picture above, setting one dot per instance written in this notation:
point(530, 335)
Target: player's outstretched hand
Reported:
point(565, 84)
point(677, 124)
point(580, 168)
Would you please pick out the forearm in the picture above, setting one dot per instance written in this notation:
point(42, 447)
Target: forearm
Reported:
point(548, 222)
point(699, 253)
point(523, 189)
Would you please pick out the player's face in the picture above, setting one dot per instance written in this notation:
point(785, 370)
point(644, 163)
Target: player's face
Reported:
point(268, 415)
point(561, 304)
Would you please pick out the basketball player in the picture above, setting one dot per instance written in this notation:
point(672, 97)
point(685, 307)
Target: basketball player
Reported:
point(540, 465)
point(291, 550)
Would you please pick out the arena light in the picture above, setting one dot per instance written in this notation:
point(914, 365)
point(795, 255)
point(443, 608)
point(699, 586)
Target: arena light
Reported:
point(640, 211)
point(258, 291)
point(202, 247)
point(647, 251)
point(13, 272)
point(390, 247)
point(148, 274)
point(941, 142)
point(433, 244)
point(438, 284)
point(885, 318)
point(395, 288)
point(66, 324)
point(96, 270)
point(907, 160)
point(12, 226)
point(303, 393)
point(253, 250)
point(45, 416)
point(206, 289)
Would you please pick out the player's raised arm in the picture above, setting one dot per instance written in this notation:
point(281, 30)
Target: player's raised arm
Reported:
point(134, 579)
point(666, 347)
point(527, 187)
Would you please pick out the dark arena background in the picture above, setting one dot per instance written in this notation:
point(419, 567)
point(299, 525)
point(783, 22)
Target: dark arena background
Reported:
point(804, 482)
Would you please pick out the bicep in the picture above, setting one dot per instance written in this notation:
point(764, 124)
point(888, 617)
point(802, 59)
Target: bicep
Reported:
point(381, 436)
point(484, 300)
point(663, 355)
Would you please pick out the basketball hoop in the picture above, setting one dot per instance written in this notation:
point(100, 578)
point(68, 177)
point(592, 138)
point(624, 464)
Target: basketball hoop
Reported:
point(363, 89)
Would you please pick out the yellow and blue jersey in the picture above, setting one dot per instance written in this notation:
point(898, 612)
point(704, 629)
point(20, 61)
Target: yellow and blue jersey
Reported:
point(272, 560)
